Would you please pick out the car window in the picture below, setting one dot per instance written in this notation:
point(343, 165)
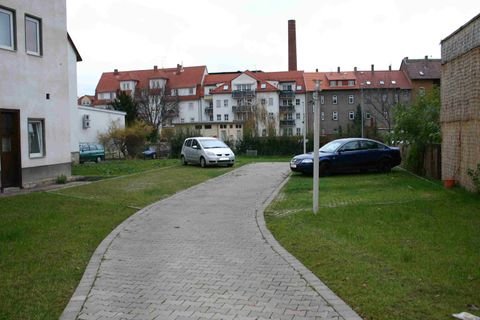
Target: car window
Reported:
point(188, 143)
point(213, 143)
point(194, 143)
point(92, 147)
point(351, 146)
point(369, 145)
point(331, 146)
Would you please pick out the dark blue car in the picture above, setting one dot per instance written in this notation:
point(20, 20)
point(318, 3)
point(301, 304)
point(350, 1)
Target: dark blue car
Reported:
point(349, 155)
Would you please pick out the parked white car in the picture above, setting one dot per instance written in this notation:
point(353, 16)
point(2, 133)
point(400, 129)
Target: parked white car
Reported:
point(206, 151)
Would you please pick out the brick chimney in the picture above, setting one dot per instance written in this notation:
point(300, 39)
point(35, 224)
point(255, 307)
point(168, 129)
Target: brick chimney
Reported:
point(292, 46)
point(115, 71)
point(155, 68)
point(338, 69)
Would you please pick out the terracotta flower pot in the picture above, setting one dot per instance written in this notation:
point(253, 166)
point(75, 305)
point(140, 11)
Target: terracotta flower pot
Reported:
point(449, 183)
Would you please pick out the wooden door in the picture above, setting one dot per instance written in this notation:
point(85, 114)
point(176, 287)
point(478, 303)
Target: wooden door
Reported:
point(10, 157)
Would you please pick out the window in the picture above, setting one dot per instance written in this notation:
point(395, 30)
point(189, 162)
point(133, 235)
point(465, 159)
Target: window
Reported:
point(333, 83)
point(270, 101)
point(125, 86)
point(298, 131)
point(219, 117)
point(368, 115)
point(351, 115)
point(192, 119)
point(263, 102)
point(322, 115)
point(33, 35)
point(190, 91)
point(218, 103)
point(190, 106)
point(225, 103)
point(264, 132)
point(297, 102)
point(290, 132)
point(271, 116)
point(335, 115)
point(299, 88)
point(421, 91)
point(289, 116)
point(297, 116)
point(182, 120)
point(322, 99)
point(225, 117)
point(7, 29)
point(35, 138)
point(334, 99)
point(351, 99)
point(351, 83)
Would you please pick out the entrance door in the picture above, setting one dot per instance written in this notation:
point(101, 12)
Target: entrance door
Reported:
point(10, 159)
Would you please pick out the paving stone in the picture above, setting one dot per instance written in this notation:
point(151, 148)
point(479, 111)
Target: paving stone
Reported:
point(201, 254)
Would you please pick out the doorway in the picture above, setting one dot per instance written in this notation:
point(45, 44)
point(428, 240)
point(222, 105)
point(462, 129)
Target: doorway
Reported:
point(10, 156)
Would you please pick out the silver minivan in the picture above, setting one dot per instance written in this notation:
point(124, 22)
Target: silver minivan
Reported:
point(206, 151)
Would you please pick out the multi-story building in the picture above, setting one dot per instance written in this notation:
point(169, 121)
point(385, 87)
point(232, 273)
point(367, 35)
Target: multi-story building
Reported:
point(345, 96)
point(424, 74)
point(37, 92)
point(86, 101)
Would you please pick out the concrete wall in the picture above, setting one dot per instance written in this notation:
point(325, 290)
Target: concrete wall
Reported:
point(100, 121)
point(460, 94)
point(27, 79)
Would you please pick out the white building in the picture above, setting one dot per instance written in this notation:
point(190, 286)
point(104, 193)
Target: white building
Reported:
point(37, 91)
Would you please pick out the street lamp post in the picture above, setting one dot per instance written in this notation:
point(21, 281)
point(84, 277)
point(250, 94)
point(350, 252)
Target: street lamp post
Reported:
point(304, 130)
point(316, 146)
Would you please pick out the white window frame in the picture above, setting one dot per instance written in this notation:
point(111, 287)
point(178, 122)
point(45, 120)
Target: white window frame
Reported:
point(40, 137)
point(322, 116)
point(351, 99)
point(351, 115)
point(297, 102)
point(298, 131)
point(322, 99)
point(218, 103)
point(225, 117)
point(270, 101)
point(38, 35)
point(11, 14)
point(225, 103)
point(368, 115)
point(190, 91)
point(219, 117)
point(297, 116)
point(334, 99)
point(335, 115)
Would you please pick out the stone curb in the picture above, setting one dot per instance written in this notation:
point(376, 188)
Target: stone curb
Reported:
point(330, 297)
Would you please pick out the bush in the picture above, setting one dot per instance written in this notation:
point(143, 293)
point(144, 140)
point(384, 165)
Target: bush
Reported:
point(177, 139)
point(130, 141)
point(61, 179)
point(475, 175)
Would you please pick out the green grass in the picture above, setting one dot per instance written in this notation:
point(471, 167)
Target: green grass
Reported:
point(47, 238)
point(393, 246)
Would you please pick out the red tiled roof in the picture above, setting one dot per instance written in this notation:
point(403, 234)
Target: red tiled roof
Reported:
point(284, 76)
point(217, 78)
point(187, 78)
point(375, 79)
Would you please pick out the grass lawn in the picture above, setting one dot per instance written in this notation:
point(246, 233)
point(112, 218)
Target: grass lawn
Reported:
point(47, 238)
point(393, 246)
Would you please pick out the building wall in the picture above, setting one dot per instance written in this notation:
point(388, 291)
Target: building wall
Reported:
point(100, 121)
point(26, 81)
point(460, 113)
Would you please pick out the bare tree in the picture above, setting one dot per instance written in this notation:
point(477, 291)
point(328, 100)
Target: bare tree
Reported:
point(155, 107)
point(382, 102)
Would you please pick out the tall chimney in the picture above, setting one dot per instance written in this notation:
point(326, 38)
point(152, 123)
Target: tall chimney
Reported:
point(292, 46)
point(373, 67)
point(115, 71)
point(155, 68)
point(338, 69)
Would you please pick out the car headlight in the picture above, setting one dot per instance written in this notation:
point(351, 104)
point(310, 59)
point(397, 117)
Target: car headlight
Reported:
point(210, 153)
point(307, 160)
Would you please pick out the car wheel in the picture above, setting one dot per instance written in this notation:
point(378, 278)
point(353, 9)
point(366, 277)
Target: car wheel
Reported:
point(183, 161)
point(99, 159)
point(324, 169)
point(203, 163)
point(384, 165)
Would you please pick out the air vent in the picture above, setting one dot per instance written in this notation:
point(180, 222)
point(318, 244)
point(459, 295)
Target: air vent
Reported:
point(86, 121)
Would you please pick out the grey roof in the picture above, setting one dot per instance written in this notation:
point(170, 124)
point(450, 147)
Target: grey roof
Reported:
point(426, 68)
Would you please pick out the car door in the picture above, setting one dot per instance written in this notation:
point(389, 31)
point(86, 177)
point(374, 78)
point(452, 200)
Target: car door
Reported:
point(347, 158)
point(195, 151)
point(373, 153)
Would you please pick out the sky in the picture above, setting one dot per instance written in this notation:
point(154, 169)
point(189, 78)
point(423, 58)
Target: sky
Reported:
point(253, 34)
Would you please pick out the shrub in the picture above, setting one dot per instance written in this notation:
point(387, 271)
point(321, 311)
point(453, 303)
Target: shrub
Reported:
point(475, 175)
point(61, 179)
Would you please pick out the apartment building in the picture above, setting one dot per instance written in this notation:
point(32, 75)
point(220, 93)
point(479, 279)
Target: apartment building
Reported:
point(423, 74)
point(343, 96)
point(38, 89)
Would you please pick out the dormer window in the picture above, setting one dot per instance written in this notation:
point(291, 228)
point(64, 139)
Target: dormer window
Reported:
point(263, 85)
point(190, 91)
point(225, 87)
point(125, 86)
point(333, 83)
point(351, 83)
point(382, 82)
point(299, 88)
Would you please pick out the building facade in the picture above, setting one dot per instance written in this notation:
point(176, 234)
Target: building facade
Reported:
point(38, 60)
point(460, 96)
point(424, 74)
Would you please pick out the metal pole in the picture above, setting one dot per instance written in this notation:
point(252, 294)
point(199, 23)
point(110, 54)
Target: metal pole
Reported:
point(304, 130)
point(316, 146)
point(361, 108)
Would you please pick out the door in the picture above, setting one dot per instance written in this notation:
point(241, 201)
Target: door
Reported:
point(10, 159)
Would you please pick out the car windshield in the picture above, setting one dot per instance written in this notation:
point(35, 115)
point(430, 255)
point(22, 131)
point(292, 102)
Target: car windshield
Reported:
point(331, 146)
point(211, 144)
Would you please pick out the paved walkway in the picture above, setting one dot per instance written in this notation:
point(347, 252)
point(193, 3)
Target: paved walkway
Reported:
point(204, 253)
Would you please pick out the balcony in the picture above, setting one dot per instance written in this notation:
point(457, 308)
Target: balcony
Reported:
point(287, 108)
point(239, 94)
point(209, 110)
point(243, 108)
point(287, 123)
point(287, 94)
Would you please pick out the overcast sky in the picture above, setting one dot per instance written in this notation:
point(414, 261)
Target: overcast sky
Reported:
point(252, 34)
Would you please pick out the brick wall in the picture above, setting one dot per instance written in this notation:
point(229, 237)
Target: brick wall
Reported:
point(460, 93)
